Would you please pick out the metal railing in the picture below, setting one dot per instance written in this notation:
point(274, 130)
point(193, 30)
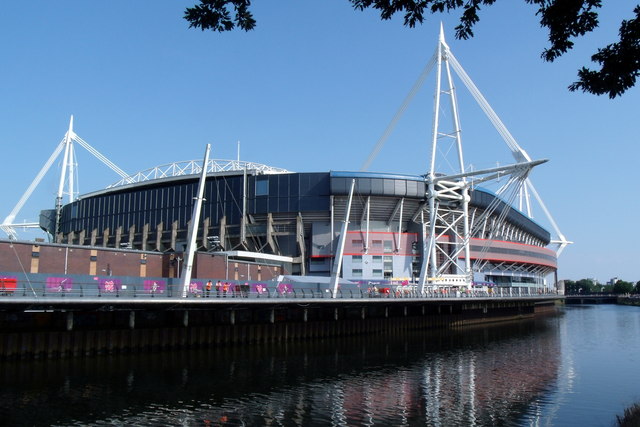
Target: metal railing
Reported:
point(38, 291)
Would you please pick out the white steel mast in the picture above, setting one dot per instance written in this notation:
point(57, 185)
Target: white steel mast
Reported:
point(447, 235)
point(445, 190)
point(67, 168)
point(445, 217)
point(193, 226)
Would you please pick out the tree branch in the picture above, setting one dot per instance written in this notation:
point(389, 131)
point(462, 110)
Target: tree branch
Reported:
point(620, 63)
point(215, 15)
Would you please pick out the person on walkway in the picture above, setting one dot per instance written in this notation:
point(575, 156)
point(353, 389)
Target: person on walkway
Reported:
point(207, 288)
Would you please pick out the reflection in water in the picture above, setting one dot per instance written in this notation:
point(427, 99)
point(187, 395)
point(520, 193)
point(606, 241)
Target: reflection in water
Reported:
point(484, 376)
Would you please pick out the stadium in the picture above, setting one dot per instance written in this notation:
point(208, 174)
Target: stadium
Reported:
point(254, 213)
point(430, 230)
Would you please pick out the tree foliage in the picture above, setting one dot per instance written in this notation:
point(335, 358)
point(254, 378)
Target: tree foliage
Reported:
point(620, 63)
point(565, 20)
point(622, 287)
point(570, 287)
point(582, 286)
point(216, 15)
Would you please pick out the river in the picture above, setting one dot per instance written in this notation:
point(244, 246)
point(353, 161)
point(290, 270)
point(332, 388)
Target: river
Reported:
point(578, 368)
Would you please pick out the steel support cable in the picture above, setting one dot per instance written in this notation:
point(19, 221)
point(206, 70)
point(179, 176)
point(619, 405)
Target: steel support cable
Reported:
point(487, 213)
point(484, 105)
point(515, 183)
point(518, 177)
point(548, 214)
point(100, 156)
point(517, 151)
point(506, 202)
point(24, 271)
point(498, 223)
point(9, 219)
point(390, 127)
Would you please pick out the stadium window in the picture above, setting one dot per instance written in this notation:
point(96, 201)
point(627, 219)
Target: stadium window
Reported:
point(357, 242)
point(388, 263)
point(356, 272)
point(356, 259)
point(377, 272)
point(388, 246)
point(376, 243)
point(262, 186)
point(377, 259)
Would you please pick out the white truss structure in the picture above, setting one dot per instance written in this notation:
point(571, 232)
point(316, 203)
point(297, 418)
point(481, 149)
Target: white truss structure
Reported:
point(67, 185)
point(194, 167)
point(446, 222)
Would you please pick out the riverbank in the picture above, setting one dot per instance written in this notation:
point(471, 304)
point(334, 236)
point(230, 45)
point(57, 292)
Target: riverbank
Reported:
point(633, 300)
point(631, 416)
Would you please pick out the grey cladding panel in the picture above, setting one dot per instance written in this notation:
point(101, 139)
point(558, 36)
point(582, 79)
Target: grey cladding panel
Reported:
point(415, 189)
point(364, 186)
point(389, 186)
point(377, 188)
point(338, 186)
point(400, 188)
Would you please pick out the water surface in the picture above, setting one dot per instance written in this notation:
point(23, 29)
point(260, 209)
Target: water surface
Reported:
point(575, 369)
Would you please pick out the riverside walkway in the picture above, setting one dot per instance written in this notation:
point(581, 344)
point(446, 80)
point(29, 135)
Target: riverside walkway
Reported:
point(90, 294)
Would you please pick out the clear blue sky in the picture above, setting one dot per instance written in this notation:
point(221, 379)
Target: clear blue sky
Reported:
point(312, 89)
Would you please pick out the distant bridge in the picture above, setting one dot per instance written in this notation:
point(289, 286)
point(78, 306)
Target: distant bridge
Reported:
point(591, 299)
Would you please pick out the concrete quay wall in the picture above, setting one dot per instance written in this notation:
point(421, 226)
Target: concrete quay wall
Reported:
point(73, 331)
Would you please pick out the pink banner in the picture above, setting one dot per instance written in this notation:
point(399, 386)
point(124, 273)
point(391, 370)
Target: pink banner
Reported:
point(59, 284)
point(285, 288)
point(195, 287)
point(154, 286)
point(110, 285)
point(260, 288)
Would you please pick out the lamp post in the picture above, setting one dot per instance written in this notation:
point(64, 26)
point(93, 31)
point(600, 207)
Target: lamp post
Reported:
point(178, 259)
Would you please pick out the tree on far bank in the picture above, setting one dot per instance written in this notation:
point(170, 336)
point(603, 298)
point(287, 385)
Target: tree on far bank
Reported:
point(588, 285)
point(565, 20)
point(570, 287)
point(582, 286)
point(622, 287)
